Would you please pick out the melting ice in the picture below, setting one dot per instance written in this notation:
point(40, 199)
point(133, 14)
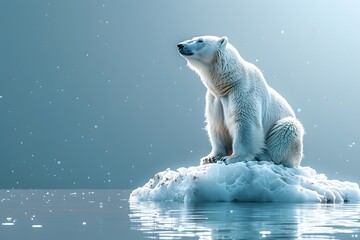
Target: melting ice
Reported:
point(246, 182)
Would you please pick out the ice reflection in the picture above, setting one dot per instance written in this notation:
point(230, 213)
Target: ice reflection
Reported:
point(36, 226)
point(7, 223)
point(245, 220)
point(167, 221)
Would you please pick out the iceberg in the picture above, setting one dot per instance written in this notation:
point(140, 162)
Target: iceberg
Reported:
point(246, 182)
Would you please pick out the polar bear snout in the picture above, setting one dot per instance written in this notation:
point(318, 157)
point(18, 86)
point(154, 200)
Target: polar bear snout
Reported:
point(180, 46)
point(184, 50)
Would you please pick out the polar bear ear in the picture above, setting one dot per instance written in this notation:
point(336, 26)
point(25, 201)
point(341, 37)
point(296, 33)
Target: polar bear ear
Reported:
point(223, 41)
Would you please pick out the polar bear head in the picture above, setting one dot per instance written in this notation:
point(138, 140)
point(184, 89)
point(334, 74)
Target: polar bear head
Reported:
point(202, 49)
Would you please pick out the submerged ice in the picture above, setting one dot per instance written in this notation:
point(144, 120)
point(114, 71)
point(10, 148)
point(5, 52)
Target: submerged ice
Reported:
point(246, 182)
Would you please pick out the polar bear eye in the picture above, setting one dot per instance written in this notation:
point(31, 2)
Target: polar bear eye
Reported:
point(200, 40)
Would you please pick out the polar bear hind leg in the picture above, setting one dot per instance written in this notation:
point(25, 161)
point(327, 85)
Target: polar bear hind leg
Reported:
point(284, 142)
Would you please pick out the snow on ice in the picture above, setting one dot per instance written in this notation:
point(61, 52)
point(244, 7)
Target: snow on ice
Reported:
point(246, 182)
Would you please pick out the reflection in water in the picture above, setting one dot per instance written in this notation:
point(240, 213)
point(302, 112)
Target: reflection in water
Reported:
point(166, 220)
point(107, 214)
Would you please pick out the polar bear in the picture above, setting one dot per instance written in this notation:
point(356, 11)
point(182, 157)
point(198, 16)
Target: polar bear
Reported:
point(246, 118)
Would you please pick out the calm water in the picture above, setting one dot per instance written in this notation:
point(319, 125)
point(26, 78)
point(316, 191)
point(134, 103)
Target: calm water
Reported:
point(107, 214)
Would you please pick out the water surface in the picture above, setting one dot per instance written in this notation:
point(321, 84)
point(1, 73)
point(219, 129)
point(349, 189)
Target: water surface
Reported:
point(107, 214)
point(246, 220)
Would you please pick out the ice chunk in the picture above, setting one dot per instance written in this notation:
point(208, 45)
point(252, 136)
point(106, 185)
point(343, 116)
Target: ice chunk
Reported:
point(246, 182)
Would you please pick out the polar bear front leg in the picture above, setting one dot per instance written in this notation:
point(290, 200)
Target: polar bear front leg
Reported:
point(220, 142)
point(219, 136)
point(240, 153)
point(248, 141)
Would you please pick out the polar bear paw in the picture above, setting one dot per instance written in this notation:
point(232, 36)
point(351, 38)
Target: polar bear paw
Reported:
point(209, 159)
point(231, 159)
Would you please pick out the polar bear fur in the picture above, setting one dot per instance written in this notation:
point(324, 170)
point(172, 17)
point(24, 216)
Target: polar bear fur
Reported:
point(246, 119)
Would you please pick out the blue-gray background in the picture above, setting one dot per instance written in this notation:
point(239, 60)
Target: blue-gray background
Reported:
point(93, 94)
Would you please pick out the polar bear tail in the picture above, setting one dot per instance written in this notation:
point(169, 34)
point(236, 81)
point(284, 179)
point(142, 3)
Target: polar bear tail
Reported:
point(284, 142)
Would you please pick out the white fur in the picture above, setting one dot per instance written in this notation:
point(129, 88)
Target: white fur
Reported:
point(246, 119)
